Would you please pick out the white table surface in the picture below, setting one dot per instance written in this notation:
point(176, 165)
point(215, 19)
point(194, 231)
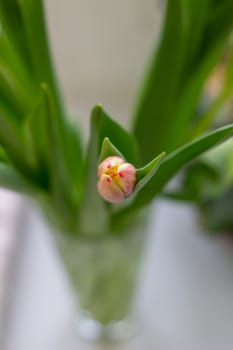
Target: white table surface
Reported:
point(186, 295)
point(9, 210)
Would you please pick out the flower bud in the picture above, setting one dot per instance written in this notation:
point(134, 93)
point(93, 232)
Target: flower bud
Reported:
point(117, 179)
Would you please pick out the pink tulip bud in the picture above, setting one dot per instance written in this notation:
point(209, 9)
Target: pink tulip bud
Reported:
point(117, 179)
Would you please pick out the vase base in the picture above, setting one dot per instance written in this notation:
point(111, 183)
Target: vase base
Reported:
point(92, 330)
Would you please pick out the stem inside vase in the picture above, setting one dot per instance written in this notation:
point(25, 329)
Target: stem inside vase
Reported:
point(104, 274)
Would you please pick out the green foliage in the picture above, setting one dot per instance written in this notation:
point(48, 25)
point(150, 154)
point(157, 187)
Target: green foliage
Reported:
point(108, 149)
point(145, 174)
point(99, 145)
point(107, 127)
point(194, 36)
point(196, 177)
point(216, 213)
point(40, 150)
point(208, 184)
point(171, 164)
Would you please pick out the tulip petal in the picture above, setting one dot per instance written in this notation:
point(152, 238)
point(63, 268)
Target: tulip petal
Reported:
point(117, 179)
point(109, 190)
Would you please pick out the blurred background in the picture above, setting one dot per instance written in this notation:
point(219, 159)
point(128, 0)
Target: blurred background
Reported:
point(101, 49)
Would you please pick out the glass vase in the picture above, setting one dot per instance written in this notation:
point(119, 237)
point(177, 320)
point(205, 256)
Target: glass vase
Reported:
point(104, 275)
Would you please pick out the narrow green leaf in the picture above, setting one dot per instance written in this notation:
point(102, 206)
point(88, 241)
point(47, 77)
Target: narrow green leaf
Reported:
point(16, 70)
point(200, 66)
point(220, 159)
point(108, 150)
point(122, 139)
point(196, 14)
point(55, 149)
point(173, 162)
point(154, 112)
point(59, 151)
point(12, 180)
point(36, 141)
point(10, 131)
point(216, 213)
point(198, 180)
point(59, 183)
point(93, 212)
point(11, 24)
point(180, 195)
point(187, 105)
point(220, 22)
point(75, 161)
point(148, 168)
point(34, 27)
point(13, 140)
point(3, 156)
point(226, 92)
point(145, 174)
point(11, 89)
point(175, 82)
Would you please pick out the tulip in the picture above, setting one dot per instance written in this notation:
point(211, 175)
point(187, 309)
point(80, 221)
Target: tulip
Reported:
point(117, 179)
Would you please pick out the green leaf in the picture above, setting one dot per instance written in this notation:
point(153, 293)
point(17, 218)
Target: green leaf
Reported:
point(148, 168)
point(74, 161)
point(10, 131)
point(216, 213)
point(55, 149)
point(196, 14)
point(175, 81)
point(3, 156)
point(145, 174)
point(12, 90)
point(108, 150)
point(172, 163)
point(36, 139)
point(187, 105)
point(220, 159)
point(11, 23)
point(220, 22)
point(16, 83)
point(122, 139)
point(93, 212)
point(59, 183)
point(154, 112)
point(26, 18)
point(34, 27)
point(225, 94)
point(12, 180)
point(198, 180)
point(12, 138)
point(55, 156)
